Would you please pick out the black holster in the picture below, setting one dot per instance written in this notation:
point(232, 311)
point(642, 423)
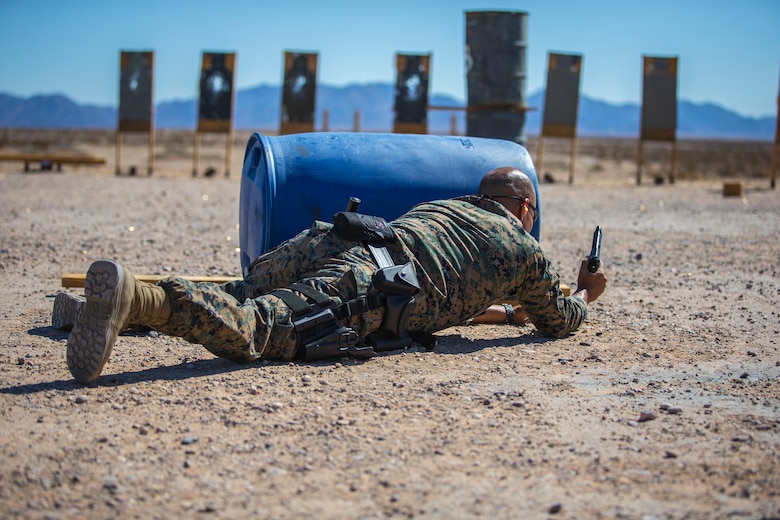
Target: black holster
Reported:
point(319, 326)
point(399, 285)
point(321, 335)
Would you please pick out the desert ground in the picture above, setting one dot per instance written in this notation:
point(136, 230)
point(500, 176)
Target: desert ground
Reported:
point(665, 404)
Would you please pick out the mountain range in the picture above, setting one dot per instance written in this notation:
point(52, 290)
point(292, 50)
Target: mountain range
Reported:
point(258, 108)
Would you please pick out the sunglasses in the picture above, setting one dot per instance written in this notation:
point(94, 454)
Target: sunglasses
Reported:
point(531, 207)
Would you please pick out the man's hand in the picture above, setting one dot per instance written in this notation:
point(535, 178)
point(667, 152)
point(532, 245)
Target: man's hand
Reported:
point(593, 283)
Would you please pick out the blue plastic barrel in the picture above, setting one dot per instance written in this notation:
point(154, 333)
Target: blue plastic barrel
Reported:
point(289, 181)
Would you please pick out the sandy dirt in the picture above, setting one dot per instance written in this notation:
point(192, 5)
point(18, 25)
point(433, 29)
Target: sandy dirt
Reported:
point(665, 404)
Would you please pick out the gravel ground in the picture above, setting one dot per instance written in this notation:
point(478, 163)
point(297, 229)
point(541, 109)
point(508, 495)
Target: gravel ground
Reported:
point(666, 404)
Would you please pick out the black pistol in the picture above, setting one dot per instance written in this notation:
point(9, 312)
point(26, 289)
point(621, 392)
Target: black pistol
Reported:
point(594, 259)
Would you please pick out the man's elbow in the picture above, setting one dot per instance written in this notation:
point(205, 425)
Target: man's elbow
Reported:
point(561, 330)
point(556, 333)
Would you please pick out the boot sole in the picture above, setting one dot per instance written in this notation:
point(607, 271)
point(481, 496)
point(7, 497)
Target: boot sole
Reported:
point(67, 310)
point(93, 336)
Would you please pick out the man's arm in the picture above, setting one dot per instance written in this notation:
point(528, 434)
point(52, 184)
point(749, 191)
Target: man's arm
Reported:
point(589, 287)
point(498, 314)
point(553, 314)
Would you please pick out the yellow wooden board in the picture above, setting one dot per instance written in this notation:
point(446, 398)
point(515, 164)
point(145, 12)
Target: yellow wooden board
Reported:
point(54, 157)
point(75, 280)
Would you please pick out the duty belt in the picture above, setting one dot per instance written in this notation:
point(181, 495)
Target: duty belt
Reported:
point(319, 322)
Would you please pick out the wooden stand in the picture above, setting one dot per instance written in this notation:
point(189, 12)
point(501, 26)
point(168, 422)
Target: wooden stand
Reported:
point(228, 152)
point(659, 107)
point(558, 131)
point(216, 102)
point(150, 158)
point(673, 159)
point(136, 103)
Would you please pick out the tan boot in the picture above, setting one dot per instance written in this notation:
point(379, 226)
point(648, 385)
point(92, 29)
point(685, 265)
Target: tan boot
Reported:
point(114, 300)
point(67, 309)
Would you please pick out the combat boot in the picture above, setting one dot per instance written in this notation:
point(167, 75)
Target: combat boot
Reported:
point(114, 299)
point(67, 309)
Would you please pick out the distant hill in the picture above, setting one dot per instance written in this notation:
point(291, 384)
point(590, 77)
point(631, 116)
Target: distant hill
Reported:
point(258, 108)
point(53, 111)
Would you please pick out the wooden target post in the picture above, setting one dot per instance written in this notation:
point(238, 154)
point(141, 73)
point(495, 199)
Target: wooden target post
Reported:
point(659, 108)
point(215, 107)
point(136, 104)
point(561, 104)
point(496, 49)
point(299, 92)
point(411, 93)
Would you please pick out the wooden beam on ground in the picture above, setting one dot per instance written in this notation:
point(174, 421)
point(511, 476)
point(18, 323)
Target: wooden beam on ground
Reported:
point(53, 158)
point(76, 280)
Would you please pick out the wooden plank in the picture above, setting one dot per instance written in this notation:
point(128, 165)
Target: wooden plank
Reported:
point(76, 280)
point(53, 157)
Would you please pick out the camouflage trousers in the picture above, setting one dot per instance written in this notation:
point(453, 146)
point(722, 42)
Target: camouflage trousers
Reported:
point(242, 322)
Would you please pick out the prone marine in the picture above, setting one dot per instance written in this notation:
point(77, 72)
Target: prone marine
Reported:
point(354, 287)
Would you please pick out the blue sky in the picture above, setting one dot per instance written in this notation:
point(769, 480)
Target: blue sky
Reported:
point(729, 51)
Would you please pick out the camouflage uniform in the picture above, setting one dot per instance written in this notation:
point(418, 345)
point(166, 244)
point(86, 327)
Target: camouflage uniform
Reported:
point(469, 253)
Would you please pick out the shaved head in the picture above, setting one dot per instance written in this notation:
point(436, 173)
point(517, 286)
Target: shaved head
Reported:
point(507, 181)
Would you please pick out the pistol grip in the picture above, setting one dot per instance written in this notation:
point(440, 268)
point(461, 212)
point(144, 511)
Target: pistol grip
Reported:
point(594, 263)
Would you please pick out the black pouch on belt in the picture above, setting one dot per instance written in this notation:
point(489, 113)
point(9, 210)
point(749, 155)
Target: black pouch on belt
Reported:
point(365, 228)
